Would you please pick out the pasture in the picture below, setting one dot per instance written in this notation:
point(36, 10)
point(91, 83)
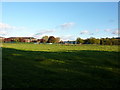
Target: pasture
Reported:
point(60, 66)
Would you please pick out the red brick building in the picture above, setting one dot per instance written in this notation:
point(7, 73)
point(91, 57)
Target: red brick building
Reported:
point(20, 39)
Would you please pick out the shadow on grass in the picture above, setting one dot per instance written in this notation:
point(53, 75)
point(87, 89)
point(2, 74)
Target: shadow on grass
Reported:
point(67, 69)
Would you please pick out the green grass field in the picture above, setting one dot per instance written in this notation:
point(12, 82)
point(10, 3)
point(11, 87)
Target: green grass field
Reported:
point(60, 66)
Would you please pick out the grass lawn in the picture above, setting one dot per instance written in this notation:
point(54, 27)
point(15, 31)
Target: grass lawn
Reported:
point(60, 66)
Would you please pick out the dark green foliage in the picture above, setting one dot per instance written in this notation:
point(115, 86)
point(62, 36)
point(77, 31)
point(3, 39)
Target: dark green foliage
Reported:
point(93, 41)
point(57, 39)
point(79, 40)
point(109, 41)
point(102, 41)
point(45, 39)
point(51, 39)
point(61, 42)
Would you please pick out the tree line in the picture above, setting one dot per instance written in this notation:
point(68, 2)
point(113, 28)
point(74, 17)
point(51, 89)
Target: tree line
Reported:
point(52, 39)
point(91, 40)
point(102, 41)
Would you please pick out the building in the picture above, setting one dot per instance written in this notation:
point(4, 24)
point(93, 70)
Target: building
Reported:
point(69, 42)
point(1, 39)
point(20, 39)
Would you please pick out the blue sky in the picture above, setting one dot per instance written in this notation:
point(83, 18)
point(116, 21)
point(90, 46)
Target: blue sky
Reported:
point(67, 20)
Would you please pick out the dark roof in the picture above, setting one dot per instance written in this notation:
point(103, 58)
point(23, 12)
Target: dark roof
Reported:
point(23, 37)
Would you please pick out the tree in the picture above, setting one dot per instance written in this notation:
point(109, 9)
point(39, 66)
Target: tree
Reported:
point(97, 41)
point(57, 40)
point(42, 41)
point(79, 40)
point(108, 41)
point(17, 39)
point(51, 39)
point(45, 39)
point(93, 40)
point(61, 42)
point(102, 41)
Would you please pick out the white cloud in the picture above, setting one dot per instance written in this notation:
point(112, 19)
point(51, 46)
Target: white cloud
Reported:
point(84, 32)
point(113, 31)
point(97, 30)
point(6, 26)
point(108, 30)
point(3, 29)
point(67, 37)
point(6, 29)
point(67, 25)
point(116, 32)
point(2, 33)
point(44, 32)
point(91, 33)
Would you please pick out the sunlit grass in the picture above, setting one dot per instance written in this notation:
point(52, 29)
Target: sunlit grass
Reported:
point(46, 47)
point(49, 66)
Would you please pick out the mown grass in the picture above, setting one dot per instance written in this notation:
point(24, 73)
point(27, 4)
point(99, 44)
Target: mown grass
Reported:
point(60, 66)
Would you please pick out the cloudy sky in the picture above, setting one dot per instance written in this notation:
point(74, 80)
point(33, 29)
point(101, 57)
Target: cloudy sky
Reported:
point(67, 20)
